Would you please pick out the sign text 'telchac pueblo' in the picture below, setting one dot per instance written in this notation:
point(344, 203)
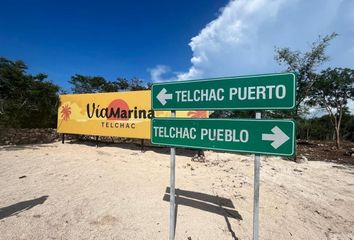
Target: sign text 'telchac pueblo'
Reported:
point(274, 137)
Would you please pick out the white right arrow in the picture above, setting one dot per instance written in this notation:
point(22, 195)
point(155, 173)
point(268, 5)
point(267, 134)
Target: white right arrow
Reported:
point(163, 96)
point(278, 138)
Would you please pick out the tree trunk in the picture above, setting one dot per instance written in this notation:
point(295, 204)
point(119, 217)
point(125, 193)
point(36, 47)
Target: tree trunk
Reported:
point(337, 138)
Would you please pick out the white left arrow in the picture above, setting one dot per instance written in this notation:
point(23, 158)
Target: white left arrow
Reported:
point(163, 96)
point(278, 137)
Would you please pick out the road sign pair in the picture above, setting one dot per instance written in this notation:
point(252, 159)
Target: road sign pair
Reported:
point(273, 91)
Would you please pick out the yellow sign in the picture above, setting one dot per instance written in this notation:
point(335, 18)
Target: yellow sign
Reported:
point(120, 114)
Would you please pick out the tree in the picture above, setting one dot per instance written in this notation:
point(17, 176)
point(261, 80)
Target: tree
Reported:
point(122, 83)
point(97, 84)
point(110, 87)
point(136, 84)
point(43, 102)
point(348, 128)
point(303, 130)
point(320, 128)
point(305, 65)
point(149, 85)
point(88, 84)
point(26, 101)
point(332, 90)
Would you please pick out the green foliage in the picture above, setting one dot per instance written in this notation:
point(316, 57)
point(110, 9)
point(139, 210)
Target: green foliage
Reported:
point(123, 84)
point(149, 85)
point(88, 84)
point(316, 128)
point(332, 90)
point(97, 84)
point(348, 128)
point(305, 65)
point(26, 101)
point(233, 114)
point(136, 84)
point(322, 129)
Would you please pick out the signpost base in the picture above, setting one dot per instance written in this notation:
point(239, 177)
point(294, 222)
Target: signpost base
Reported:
point(142, 145)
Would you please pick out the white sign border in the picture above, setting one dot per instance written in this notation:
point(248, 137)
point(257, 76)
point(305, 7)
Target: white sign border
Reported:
point(293, 146)
point(223, 78)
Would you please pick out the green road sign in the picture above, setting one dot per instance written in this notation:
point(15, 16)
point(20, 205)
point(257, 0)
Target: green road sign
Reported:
point(273, 91)
point(273, 137)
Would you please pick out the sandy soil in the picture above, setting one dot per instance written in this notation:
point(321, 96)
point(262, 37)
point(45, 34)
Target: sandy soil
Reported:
point(77, 191)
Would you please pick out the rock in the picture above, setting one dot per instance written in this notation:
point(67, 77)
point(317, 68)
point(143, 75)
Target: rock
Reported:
point(198, 158)
point(352, 155)
point(302, 159)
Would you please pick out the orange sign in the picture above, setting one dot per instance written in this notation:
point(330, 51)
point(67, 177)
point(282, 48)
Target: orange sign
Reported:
point(121, 114)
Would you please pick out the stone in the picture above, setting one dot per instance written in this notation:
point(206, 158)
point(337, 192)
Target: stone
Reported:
point(198, 158)
point(302, 159)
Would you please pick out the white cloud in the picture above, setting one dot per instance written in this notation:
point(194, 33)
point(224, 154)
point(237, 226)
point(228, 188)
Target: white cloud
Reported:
point(241, 40)
point(157, 73)
point(232, 44)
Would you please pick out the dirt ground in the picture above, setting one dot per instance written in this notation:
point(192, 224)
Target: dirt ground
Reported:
point(326, 151)
point(78, 191)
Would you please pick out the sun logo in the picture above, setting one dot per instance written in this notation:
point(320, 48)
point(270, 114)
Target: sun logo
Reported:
point(65, 112)
point(198, 114)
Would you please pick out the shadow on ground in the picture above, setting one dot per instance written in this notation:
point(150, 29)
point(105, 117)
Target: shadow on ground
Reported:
point(206, 202)
point(135, 146)
point(19, 207)
point(25, 146)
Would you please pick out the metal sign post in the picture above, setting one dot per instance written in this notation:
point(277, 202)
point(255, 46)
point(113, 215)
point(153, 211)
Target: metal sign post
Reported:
point(256, 191)
point(256, 92)
point(172, 187)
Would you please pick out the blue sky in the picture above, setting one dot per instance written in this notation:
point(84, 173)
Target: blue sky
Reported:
point(169, 40)
point(107, 38)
